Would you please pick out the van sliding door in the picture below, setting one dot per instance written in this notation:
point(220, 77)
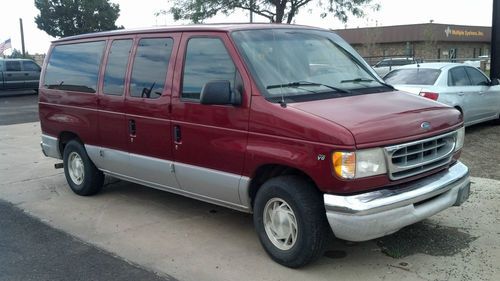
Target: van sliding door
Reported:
point(113, 155)
point(149, 129)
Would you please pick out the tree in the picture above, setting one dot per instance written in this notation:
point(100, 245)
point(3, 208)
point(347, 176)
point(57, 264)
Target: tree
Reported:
point(277, 11)
point(371, 38)
point(16, 54)
point(61, 18)
point(429, 48)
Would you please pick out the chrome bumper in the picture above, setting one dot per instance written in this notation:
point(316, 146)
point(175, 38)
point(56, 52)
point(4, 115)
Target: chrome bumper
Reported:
point(378, 213)
point(50, 146)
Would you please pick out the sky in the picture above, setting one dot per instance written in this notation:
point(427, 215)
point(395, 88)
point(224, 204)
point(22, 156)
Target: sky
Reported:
point(136, 14)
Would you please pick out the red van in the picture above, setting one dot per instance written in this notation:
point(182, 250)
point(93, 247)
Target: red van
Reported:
point(286, 122)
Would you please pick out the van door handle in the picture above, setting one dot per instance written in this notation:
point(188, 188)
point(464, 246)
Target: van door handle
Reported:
point(177, 134)
point(131, 127)
point(461, 93)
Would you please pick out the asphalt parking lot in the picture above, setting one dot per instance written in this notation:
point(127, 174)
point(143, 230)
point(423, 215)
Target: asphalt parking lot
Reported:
point(18, 107)
point(190, 240)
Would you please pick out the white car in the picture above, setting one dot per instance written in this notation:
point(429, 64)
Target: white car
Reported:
point(458, 85)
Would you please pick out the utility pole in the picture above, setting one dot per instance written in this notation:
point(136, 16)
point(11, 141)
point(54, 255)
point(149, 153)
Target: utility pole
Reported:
point(495, 41)
point(22, 36)
point(251, 11)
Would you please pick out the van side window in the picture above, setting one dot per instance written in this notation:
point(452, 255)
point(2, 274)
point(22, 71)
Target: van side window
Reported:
point(206, 60)
point(13, 66)
point(150, 67)
point(114, 76)
point(74, 67)
point(30, 66)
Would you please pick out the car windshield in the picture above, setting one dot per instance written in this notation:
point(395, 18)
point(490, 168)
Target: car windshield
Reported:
point(413, 76)
point(294, 62)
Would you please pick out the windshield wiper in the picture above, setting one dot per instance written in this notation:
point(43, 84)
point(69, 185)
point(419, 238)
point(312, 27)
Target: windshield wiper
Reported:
point(357, 80)
point(306, 83)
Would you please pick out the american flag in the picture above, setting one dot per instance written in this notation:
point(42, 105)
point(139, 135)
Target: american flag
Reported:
point(5, 45)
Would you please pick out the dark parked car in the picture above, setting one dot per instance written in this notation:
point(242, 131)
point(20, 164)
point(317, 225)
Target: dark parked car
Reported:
point(19, 74)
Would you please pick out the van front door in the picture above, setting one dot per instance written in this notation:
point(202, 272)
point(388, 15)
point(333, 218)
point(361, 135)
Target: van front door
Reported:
point(209, 140)
point(149, 129)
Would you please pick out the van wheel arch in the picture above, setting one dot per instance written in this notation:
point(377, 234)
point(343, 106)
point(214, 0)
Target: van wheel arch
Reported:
point(268, 171)
point(64, 138)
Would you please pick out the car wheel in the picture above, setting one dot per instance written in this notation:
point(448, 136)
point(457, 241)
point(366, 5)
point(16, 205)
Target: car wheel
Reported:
point(290, 220)
point(82, 175)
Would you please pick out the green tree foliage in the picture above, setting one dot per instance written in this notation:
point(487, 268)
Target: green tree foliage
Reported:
point(277, 11)
point(16, 54)
point(61, 18)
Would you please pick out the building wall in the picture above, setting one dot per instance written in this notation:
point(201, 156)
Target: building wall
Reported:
point(38, 58)
point(424, 50)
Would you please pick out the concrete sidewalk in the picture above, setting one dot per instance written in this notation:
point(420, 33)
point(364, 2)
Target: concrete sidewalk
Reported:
point(191, 240)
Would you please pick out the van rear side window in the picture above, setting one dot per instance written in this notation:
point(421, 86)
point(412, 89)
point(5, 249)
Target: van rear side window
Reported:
point(114, 77)
point(74, 67)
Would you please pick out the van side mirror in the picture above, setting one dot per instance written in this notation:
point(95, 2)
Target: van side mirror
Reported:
point(495, 82)
point(219, 92)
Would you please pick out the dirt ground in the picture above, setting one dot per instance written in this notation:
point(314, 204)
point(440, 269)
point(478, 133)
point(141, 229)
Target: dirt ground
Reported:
point(481, 152)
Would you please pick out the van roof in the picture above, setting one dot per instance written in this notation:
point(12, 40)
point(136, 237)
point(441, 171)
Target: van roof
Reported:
point(217, 27)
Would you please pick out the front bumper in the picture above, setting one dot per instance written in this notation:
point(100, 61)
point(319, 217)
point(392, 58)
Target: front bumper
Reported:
point(378, 213)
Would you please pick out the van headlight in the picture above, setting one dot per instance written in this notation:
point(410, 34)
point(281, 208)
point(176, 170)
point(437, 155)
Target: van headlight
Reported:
point(459, 142)
point(359, 164)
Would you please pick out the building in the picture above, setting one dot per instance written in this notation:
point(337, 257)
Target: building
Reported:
point(429, 41)
point(38, 58)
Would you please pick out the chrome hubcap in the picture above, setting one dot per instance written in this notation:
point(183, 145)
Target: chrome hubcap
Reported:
point(75, 168)
point(280, 224)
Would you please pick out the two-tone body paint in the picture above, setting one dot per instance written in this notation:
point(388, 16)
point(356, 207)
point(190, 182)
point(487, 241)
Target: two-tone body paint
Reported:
point(237, 140)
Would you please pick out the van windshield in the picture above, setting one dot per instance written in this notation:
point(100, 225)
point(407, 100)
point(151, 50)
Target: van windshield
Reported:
point(294, 62)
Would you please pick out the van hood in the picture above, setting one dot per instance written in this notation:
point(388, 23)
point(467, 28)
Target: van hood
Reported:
point(384, 117)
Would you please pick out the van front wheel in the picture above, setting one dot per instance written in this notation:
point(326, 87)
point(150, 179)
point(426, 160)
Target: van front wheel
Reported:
point(290, 219)
point(82, 175)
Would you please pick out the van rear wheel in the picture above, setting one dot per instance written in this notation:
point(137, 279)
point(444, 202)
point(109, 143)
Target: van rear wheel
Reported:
point(290, 220)
point(82, 175)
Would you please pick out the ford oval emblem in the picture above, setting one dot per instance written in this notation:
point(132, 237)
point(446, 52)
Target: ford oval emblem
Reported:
point(426, 126)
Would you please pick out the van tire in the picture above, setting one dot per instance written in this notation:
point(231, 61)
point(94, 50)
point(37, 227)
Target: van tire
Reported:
point(306, 204)
point(82, 175)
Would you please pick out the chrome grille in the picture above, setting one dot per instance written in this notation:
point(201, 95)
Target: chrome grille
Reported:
point(409, 159)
